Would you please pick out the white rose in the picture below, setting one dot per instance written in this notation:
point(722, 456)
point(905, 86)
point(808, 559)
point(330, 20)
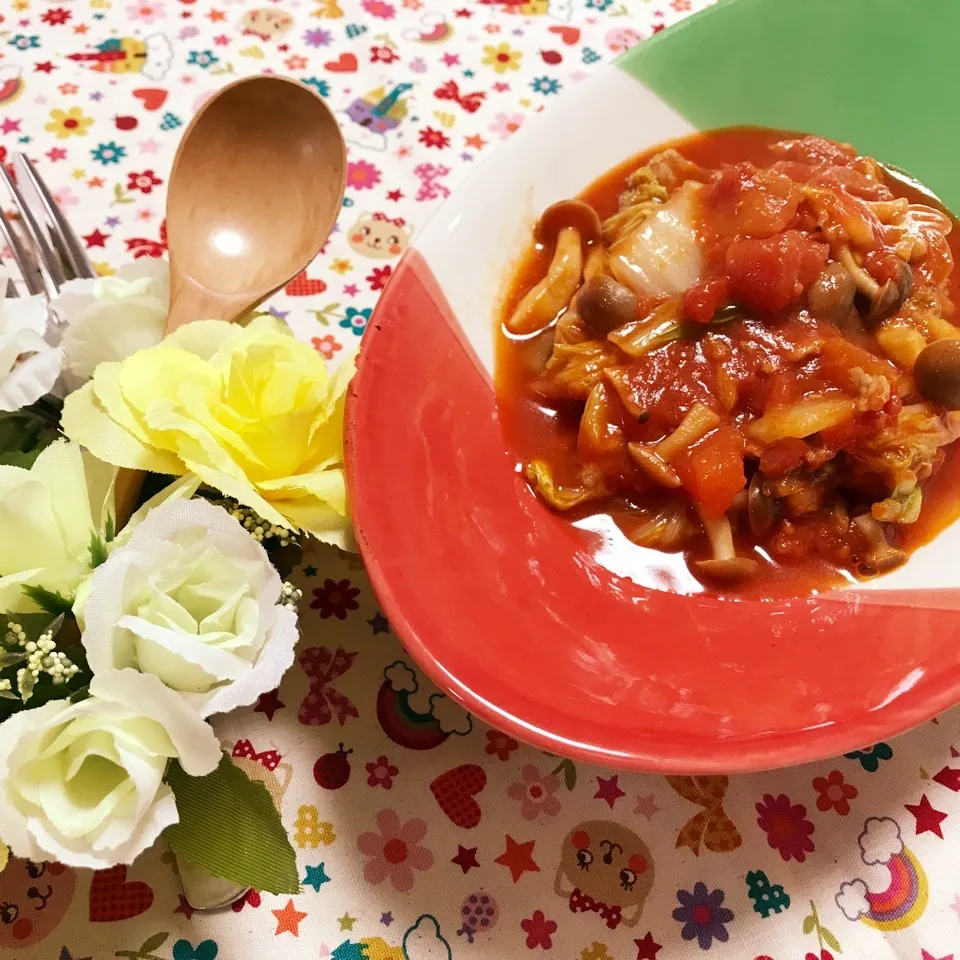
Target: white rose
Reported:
point(193, 599)
point(83, 783)
point(48, 515)
point(29, 366)
point(110, 318)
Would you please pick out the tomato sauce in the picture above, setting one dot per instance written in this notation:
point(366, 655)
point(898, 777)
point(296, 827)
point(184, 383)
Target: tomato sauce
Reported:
point(675, 375)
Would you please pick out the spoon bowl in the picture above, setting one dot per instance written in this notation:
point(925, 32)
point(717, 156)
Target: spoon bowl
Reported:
point(255, 190)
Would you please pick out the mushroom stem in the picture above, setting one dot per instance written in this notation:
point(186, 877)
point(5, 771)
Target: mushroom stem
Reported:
point(865, 283)
point(540, 306)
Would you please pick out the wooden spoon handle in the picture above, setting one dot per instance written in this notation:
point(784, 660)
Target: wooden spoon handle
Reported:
point(190, 301)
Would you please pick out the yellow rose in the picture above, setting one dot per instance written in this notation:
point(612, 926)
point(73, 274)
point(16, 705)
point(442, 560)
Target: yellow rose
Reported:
point(250, 410)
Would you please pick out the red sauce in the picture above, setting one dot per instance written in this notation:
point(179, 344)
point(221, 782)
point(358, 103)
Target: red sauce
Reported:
point(774, 253)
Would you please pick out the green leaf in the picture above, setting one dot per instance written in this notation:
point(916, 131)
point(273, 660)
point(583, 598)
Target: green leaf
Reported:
point(830, 940)
point(8, 695)
point(808, 924)
point(230, 828)
point(154, 942)
point(98, 551)
point(51, 602)
point(11, 659)
point(108, 532)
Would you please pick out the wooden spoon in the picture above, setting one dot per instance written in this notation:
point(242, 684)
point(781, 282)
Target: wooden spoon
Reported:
point(255, 190)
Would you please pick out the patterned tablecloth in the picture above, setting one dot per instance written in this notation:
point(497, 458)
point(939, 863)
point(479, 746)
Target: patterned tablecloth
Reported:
point(421, 833)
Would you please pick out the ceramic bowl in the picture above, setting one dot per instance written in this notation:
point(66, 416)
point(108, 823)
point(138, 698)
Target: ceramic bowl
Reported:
point(494, 596)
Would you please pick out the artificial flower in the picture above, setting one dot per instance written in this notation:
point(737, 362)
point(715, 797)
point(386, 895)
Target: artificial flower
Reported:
point(109, 318)
point(83, 783)
point(250, 410)
point(29, 366)
point(49, 515)
point(193, 599)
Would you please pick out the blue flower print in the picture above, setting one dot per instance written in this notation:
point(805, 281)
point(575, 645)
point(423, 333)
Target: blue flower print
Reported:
point(545, 85)
point(107, 153)
point(202, 58)
point(600, 5)
point(356, 320)
point(22, 42)
point(871, 757)
point(321, 86)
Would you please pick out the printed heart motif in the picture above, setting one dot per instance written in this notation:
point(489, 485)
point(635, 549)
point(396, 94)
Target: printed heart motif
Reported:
point(302, 286)
point(153, 99)
point(455, 791)
point(569, 35)
point(345, 63)
point(185, 950)
point(112, 898)
point(551, 56)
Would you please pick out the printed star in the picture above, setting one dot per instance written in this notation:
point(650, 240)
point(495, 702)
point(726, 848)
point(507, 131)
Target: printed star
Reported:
point(279, 314)
point(149, 146)
point(394, 195)
point(466, 157)
point(96, 239)
point(608, 789)
point(56, 153)
point(379, 623)
point(269, 703)
point(221, 40)
point(463, 13)
point(468, 74)
point(466, 858)
point(216, 16)
point(95, 182)
point(451, 59)
point(647, 806)
point(45, 67)
point(346, 922)
point(926, 955)
point(475, 141)
point(518, 858)
point(112, 222)
point(310, 571)
point(65, 954)
point(316, 877)
point(928, 818)
point(288, 919)
point(351, 289)
point(78, 174)
point(184, 907)
point(10, 126)
point(647, 948)
point(386, 918)
point(80, 28)
point(501, 87)
point(955, 906)
point(96, 96)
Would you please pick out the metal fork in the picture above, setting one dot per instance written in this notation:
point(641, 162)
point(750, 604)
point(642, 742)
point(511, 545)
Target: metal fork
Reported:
point(46, 250)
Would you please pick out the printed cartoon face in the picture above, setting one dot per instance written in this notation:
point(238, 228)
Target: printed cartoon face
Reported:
point(266, 24)
point(605, 868)
point(376, 236)
point(34, 898)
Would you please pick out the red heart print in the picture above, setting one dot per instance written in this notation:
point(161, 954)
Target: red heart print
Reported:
point(303, 286)
point(112, 898)
point(455, 791)
point(569, 35)
point(551, 56)
point(153, 99)
point(345, 63)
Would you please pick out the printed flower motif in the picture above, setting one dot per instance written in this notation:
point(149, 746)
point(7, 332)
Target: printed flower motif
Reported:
point(340, 266)
point(501, 57)
point(317, 37)
point(356, 320)
point(599, 5)
point(499, 745)
point(334, 599)
point(871, 757)
point(362, 175)
point(379, 277)
point(702, 915)
point(107, 153)
point(834, 793)
point(506, 124)
point(430, 137)
point(144, 182)
point(545, 85)
point(295, 62)
point(380, 773)
point(22, 42)
point(55, 17)
point(536, 793)
point(144, 11)
point(786, 826)
point(321, 86)
point(326, 345)
point(202, 58)
point(383, 55)
point(276, 445)
point(380, 9)
point(539, 930)
point(394, 851)
point(68, 123)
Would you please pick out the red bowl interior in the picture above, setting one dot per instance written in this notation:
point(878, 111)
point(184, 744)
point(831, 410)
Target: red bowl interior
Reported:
point(498, 600)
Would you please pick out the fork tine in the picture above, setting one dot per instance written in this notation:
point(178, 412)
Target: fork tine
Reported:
point(51, 271)
point(28, 272)
point(6, 282)
point(63, 236)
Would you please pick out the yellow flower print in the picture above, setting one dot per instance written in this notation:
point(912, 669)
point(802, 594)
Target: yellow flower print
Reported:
point(502, 57)
point(341, 266)
point(69, 123)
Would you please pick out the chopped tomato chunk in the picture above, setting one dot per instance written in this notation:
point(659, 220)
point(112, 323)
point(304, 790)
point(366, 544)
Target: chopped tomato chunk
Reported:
point(703, 299)
point(769, 274)
point(745, 201)
point(712, 470)
point(782, 457)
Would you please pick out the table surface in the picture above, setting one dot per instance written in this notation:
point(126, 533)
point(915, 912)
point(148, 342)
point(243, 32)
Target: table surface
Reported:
point(408, 826)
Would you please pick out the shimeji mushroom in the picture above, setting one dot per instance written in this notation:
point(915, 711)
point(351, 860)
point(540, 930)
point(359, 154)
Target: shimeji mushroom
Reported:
point(724, 564)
